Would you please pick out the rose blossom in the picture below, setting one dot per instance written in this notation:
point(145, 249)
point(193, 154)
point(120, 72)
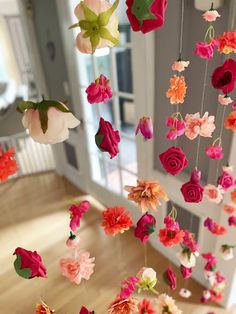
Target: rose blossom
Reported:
point(226, 180)
point(145, 126)
point(214, 152)
point(145, 227)
point(210, 15)
point(173, 160)
point(170, 278)
point(186, 272)
point(192, 190)
point(99, 91)
point(195, 125)
point(177, 127)
point(213, 193)
point(224, 100)
point(206, 50)
point(224, 76)
point(180, 65)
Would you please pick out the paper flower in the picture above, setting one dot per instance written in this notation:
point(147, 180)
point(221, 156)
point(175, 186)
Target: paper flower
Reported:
point(232, 221)
point(147, 280)
point(216, 296)
point(186, 258)
point(234, 106)
point(180, 65)
point(170, 278)
point(145, 126)
point(77, 269)
point(214, 152)
point(214, 227)
point(195, 125)
point(177, 90)
point(47, 121)
point(126, 306)
point(146, 16)
point(230, 209)
point(226, 252)
point(165, 304)
point(8, 165)
point(145, 227)
point(206, 50)
point(29, 264)
point(185, 293)
point(98, 23)
point(210, 15)
point(190, 242)
point(107, 139)
point(128, 286)
point(99, 91)
point(84, 310)
point(233, 196)
point(177, 127)
point(116, 220)
point(147, 194)
point(186, 272)
point(226, 180)
point(230, 121)
point(206, 296)
point(76, 213)
point(227, 43)
point(211, 261)
point(43, 308)
point(173, 160)
point(224, 76)
point(172, 234)
point(213, 193)
point(192, 190)
point(73, 242)
point(224, 100)
point(146, 307)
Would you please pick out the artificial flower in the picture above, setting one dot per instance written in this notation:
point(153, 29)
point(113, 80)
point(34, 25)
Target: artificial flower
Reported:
point(195, 125)
point(192, 190)
point(234, 106)
point(172, 234)
point(73, 242)
point(216, 296)
point(213, 193)
point(211, 261)
point(98, 23)
point(146, 16)
point(145, 227)
point(214, 152)
point(128, 286)
point(43, 308)
point(170, 278)
point(190, 242)
point(165, 304)
point(76, 213)
point(29, 264)
point(116, 220)
point(147, 194)
point(185, 293)
point(180, 65)
point(124, 306)
point(232, 221)
point(230, 121)
point(226, 180)
point(177, 90)
point(186, 272)
point(233, 196)
point(214, 227)
point(210, 15)
point(174, 160)
point(47, 121)
point(145, 126)
point(224, 76)
point(107, 139)
point(99, 91)
point(8, 165)
point(77, 269)
point(230, 209)
point(145, 307)
point(177, 127)
point(224, 100)
point(206, 296)
point(227, 42)
point(147, 279)
point(186, 258)
point(206, 50)
point(84, 310)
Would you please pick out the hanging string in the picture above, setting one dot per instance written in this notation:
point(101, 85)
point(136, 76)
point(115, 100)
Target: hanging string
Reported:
point(145, 254)
point(181, 30)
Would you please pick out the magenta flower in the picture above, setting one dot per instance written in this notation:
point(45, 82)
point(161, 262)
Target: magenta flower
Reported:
point(99, 91)
point(77, 211)
point(234, 106)
point(232, 221)
point(226, 180)
point(170, 278)
point(177, 127)
point(173, 160)
point(186, 272)
point(145, 226)
point(206, 50)
point(192, 190)
point(214, 227)
point(190, 241)
point(84, 310)
point(214, 152)
point(145, 126)
point(128, 286)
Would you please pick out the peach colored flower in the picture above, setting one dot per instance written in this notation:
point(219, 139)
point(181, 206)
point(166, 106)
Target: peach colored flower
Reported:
point(126, 306)
point(177, 90)
point(213, 193)
point(227, 42)
point(43, 309)
point(224, 100)
point(166, 305)
point(195, 125)
point(180, 65)
point(233, 196)
point(147, 194)
point(230, 209)
point(77, 269)
point(230, 121)
point(211, 15)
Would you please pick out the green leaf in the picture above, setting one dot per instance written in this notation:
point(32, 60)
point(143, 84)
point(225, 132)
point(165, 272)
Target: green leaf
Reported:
point(87, 34)
point(98, 140)
point(23, 105)
point(105, 34)
point(24, 272)
point(85, 25)
point(104, 17)
point(90, 16)
point(43, 117)
point(74, 25)
point(94, 39)
point(141, 10)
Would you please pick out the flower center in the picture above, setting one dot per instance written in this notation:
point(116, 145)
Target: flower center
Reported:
point(226, 78)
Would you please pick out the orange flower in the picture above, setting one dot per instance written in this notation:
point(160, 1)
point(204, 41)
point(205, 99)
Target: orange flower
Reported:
point(229, 209)
point(171, 237)
point(233, 196)
point(126, 306)
point(227, 42)
point(230, 121)
point(177, 90)
point(43, 309)
point(116, 220)
point(147, 194)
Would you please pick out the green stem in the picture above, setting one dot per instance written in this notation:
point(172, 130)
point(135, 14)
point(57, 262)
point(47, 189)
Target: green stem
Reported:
point(217, 140)
point(154, 291)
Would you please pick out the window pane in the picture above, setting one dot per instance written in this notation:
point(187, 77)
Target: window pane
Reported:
point(128, 154)
point(85, 68)
point(71, 155)
point(97, 168)
point(90, 111)
point(102, 62)
point(107, 111)
point(124, 25)
point(113, 177)
point(128, 179)
point(127, 116)
point(124, 70)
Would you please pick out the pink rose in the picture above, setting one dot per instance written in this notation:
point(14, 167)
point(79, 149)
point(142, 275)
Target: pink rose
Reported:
point(206, 50)
point(173, 160)
point(76, 213)
point(99, 91)
point(29, 264)
point(170, 278)
point(145, 126)
point(193, 191)
point(214, 152)
point(145, 226)
point(186, 272)
point(226, 180)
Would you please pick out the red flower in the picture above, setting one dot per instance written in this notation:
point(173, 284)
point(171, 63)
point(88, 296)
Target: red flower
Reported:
point(186, 272)
point(206, 50)
point(29, 264)
point(146, 16)
point(193, 191)
point(227, 42)
point(99, 91)
point(170, 278)
point(107, 138)
point(8, 165)
point(216, 296)
point(145, 307)
point(232, 221)
point(145, 226)
point(230, 121)
point(84, 310)
point(116, 220)
point(173, 160)
point(224, 77)
point(171, 235)
point(76, 213)
point(226, 180)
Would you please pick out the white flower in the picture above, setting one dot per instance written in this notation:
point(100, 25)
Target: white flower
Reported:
point(185, 293)
point(148, 274)
point(226, 252)
point(180, 65)
point(213, 193)
point(188, 260)
point(224, 100)
point(166, 304)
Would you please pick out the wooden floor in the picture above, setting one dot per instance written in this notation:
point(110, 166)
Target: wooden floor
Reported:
point(34, 215)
